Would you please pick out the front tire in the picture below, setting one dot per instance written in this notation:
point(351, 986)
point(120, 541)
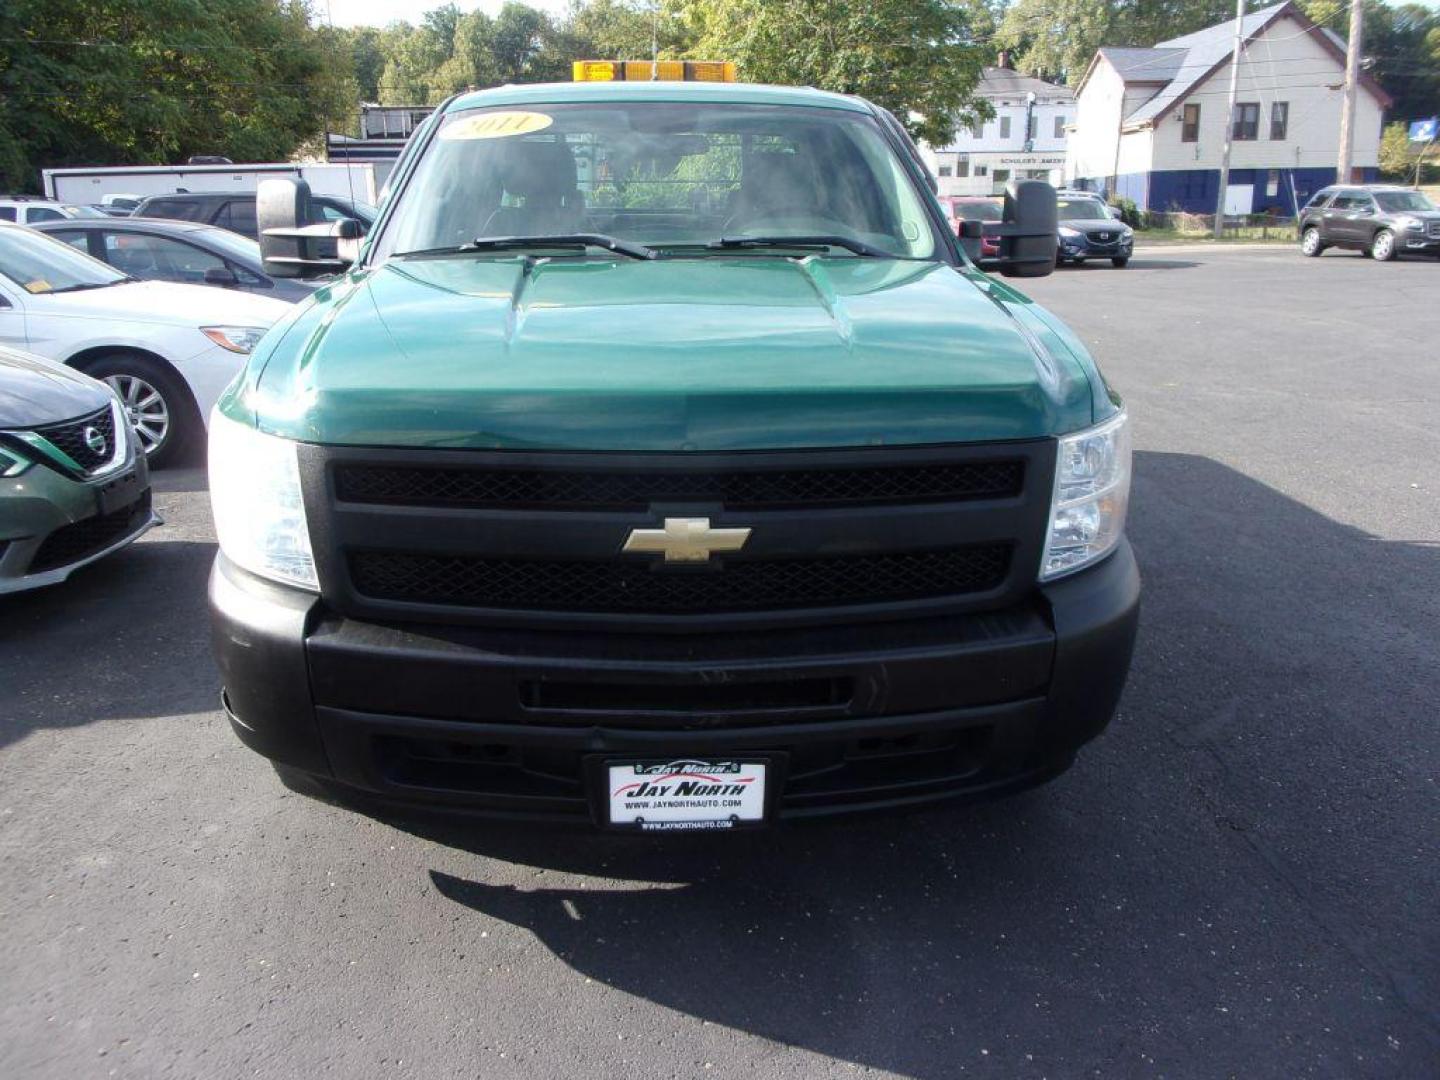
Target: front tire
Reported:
point(1120, 261)
point(1310, 244)
point(1382, 248)
point(157, 401)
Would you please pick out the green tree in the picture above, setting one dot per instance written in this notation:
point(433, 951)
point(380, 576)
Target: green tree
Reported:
point(154, 81)
point(1397, 156)
point(917, 58)
point(1059, 37)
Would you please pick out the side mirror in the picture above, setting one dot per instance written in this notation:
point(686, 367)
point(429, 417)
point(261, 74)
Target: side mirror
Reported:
point(222, 276)
point(290, 246)
point(971, 229)
point(1028, 237)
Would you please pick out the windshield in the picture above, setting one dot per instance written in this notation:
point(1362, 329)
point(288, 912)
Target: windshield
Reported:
point(1081, 210)
point(42, 264)
point(660, 174)
point(1399, 201)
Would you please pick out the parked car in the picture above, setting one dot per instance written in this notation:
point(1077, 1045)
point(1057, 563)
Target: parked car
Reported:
point(235, 210)
point(983, 208)
point(167, 350)
point(74, 485)
point(1089, 229)
point(1383, 220)
point(152, 249)
point(699, 501)
point(32, 209)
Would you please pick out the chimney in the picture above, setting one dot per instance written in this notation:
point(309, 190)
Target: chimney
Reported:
point(1003, 61)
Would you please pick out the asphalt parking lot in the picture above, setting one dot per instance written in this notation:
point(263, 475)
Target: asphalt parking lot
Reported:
point(1239, 879)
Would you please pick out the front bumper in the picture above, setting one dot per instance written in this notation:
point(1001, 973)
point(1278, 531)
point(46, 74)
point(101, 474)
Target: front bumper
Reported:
point(1417, 242)
point(51, 525)
point(508, 723)
point(1084, 247)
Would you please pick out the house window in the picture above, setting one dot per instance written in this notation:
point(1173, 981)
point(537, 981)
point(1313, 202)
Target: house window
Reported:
point(1004, 127)
point(1001, 175)
point(979, 129)
point(981, 170)
point(1279, 120)
point(1272, 184)
point(962, 166)
point(1190, 123)
point(1247, 122)
point(944, 170)
point(1059, 127)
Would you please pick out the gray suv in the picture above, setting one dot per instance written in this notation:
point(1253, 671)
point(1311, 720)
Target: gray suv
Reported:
point(1381, 219)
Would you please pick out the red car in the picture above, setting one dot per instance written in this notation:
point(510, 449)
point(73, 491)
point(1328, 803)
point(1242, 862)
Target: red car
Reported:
point(976, 208)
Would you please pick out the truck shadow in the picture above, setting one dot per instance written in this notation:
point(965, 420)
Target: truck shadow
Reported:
point(1063, 931)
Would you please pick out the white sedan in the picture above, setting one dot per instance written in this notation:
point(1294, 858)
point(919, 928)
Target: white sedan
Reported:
point(167, 349)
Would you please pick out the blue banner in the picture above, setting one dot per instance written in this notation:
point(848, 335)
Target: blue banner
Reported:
point(1424, 130)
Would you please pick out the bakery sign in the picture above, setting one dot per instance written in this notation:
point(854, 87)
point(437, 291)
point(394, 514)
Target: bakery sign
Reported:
point(1030, 161)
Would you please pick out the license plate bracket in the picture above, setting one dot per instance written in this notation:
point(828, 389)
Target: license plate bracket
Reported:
point(685, 793)
point(118, 493)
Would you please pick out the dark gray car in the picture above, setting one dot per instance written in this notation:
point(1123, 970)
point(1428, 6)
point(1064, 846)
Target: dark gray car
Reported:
point(235, 210)
point(183, 251)
point(1088, 230)
point(1381, 219)
point(73, 481)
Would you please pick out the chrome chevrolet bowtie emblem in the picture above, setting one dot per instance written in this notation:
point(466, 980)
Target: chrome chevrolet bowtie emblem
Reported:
point(94, 439)
point(686, 540)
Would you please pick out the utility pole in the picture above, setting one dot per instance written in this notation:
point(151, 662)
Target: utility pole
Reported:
point(1352, 75)
point(1230, 116)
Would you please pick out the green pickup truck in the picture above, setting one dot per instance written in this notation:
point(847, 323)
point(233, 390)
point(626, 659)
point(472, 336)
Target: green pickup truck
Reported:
point(661, 463)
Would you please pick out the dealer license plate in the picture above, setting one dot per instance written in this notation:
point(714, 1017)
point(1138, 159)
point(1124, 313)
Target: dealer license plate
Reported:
point(685, 793)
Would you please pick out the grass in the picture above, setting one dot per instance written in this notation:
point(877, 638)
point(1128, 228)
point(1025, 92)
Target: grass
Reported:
point(1247, 234)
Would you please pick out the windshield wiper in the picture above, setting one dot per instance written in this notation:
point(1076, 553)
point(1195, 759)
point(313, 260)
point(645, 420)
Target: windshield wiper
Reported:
point(557, 240)
point(849, 243)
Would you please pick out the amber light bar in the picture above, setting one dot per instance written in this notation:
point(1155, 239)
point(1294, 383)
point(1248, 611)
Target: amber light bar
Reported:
point(644, 70)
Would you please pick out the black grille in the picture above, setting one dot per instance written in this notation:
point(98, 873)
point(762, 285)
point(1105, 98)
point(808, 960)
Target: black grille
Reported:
point(70, 438)
point(84, 538)
point(578, 489)
point(614, 586)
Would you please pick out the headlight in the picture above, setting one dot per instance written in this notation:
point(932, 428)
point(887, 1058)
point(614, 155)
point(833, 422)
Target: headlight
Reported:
point(1066, 231)
point(259, 511)
point(11, 463)
point(1092, 490)
point(238, 339)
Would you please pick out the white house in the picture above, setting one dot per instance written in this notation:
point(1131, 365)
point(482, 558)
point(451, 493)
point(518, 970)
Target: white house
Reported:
point(1150, 124)
point(1025, 140)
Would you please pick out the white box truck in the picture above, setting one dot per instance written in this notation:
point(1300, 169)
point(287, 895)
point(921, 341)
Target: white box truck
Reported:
point(90, 185)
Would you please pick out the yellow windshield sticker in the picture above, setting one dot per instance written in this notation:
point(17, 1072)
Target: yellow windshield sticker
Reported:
point(39, 285)
point(496, 125)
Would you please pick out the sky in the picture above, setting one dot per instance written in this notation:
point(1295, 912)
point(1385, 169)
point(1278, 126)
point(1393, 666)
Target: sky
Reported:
point(380, 12)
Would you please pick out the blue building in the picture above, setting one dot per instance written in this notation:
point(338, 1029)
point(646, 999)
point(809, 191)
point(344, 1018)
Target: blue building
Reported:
point(1151, 123)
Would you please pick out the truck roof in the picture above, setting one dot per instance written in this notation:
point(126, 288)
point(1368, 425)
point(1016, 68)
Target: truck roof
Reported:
point(656, 90)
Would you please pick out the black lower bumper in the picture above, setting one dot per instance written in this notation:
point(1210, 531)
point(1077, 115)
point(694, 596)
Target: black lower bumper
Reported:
point(511, 723)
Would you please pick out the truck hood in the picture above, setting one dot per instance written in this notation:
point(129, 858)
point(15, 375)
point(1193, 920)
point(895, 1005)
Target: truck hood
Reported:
point(714, 353)
point(35, 391)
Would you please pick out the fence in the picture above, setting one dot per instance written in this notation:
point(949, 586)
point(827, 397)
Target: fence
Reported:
point(1234, 227)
